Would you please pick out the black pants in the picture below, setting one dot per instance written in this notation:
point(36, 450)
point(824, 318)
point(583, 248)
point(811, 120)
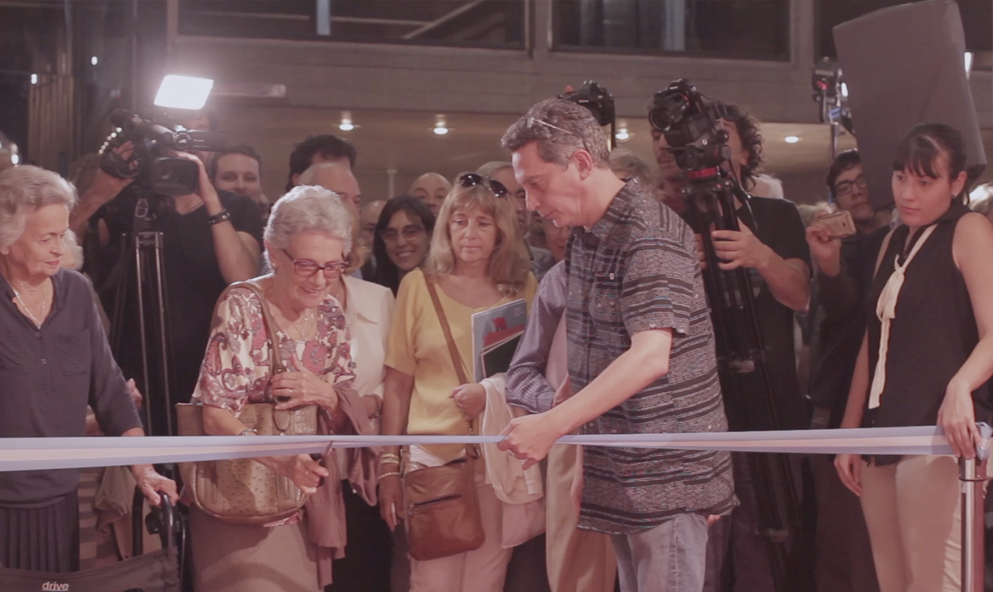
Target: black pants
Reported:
point(368, 554)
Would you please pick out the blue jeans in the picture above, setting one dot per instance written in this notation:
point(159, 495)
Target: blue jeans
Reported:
point(668, 558)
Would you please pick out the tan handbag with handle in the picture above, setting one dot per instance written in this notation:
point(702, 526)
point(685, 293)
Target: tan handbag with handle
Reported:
point(442, 514)
point(244, 491)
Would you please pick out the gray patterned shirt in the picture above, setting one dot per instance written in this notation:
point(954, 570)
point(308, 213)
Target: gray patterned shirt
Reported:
point(636, 270)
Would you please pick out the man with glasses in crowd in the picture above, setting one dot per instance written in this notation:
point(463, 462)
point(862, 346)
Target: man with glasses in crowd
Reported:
point(837, 312)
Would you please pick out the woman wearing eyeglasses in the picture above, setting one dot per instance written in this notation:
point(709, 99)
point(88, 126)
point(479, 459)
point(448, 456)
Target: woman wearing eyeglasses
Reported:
point(403, 235)
point(477, 261)
point(308, 240)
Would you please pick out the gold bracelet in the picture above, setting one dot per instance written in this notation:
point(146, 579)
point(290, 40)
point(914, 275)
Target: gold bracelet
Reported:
point(389, 474)
point(387, 457)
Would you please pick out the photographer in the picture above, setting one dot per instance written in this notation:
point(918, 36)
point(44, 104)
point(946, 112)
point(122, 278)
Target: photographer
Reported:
point(771, 245)
point(210, 239)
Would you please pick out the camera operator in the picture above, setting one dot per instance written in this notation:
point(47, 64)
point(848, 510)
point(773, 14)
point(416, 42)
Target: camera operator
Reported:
point(771, 245)
point(210, 239)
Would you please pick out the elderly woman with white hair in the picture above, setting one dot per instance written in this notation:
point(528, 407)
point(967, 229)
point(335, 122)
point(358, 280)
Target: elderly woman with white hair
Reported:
point(54, 360)
point(308, 240)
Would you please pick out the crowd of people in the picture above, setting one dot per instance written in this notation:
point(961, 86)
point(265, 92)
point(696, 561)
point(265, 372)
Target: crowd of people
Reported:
point(368, 303)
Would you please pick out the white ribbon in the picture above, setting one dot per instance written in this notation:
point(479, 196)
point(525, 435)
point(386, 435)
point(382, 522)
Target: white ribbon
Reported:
point(886, 312)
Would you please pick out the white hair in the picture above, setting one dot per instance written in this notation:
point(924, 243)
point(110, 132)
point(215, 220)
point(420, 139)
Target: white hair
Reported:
point(309, 208)
point(72, 258)
point(25, 189)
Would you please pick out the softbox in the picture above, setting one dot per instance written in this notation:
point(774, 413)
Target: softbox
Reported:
point(904, 65)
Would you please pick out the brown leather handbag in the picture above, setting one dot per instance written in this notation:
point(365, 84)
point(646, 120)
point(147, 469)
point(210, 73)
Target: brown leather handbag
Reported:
point(442, 517)
point(243, 491)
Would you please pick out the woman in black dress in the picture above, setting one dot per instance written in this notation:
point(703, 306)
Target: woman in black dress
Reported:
point(54, 360)
point(925, 360)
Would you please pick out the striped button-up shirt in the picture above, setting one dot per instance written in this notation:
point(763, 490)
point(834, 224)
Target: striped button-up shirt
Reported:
point(636, 270)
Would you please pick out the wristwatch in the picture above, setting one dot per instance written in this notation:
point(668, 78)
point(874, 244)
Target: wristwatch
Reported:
point(222, 216)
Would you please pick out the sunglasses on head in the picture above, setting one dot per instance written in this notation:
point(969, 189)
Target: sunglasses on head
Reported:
point(473, 179)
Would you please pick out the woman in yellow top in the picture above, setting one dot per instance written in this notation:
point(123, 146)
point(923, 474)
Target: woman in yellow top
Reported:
point(478, 261)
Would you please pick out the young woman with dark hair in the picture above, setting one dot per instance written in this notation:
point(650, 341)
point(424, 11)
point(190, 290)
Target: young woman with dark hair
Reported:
point(925, 360)
point(403, 238)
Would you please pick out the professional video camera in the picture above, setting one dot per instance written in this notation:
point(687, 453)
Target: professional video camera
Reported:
point(599, 102)
point(148, 163)
point(691, 125)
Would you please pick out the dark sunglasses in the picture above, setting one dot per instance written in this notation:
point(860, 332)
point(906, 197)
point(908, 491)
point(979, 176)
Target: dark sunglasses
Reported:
point(473, 179)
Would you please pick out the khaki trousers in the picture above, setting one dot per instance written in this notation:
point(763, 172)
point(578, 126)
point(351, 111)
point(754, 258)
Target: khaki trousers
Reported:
point(578, 560)
point(914, 518)
point(482, 570)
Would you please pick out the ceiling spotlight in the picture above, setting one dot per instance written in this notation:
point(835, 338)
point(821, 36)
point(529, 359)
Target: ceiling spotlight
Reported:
point(346, 124)
point(791, 139)
point(34, 79)
point(622, 135)
point(94, 60)
point(440, 125)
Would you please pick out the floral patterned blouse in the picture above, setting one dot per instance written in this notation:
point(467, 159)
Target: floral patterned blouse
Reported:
point(235, 370)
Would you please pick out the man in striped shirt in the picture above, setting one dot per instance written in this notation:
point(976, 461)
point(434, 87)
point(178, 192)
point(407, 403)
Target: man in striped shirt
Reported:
point(641, 353)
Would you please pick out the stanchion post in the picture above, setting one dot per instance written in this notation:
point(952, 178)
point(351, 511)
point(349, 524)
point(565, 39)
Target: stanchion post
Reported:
point(972, 474)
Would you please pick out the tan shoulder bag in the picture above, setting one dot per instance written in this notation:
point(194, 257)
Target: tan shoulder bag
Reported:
point(243, 491)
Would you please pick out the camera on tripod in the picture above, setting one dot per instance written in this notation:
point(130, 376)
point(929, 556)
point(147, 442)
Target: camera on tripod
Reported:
point(148, 164)
point(691, 125)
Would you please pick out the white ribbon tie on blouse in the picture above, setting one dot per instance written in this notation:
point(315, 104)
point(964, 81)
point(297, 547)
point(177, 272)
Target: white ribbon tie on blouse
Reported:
point(886, 312)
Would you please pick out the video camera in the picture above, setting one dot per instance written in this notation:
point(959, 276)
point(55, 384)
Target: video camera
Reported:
point(691, 125)
point(148, 163)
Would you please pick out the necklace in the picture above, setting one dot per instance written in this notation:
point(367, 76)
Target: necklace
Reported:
point(306, 319)
point(24, 305)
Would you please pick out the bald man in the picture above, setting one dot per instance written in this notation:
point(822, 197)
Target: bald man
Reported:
point(337, 177)
point(431, 188)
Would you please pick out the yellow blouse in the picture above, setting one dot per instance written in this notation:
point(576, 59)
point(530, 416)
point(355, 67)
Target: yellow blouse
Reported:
point(417, 347)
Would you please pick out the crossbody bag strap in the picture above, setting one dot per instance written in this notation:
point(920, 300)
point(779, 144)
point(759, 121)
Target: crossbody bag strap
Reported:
point(452, 348)
point(275, 360)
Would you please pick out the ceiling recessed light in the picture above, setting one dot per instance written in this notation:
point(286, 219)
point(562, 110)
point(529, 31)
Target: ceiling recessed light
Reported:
point(791, 139)
point(94, 60)
point(34, 79)
point(440, 125)
point(15, 159)
point(346, 124)
point(622, 135)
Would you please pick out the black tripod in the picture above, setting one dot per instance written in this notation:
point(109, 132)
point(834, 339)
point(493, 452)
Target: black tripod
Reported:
point(139, 280)
point(744, 375)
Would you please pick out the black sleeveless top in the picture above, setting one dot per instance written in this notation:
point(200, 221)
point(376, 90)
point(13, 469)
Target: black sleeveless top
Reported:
point(933, 334)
